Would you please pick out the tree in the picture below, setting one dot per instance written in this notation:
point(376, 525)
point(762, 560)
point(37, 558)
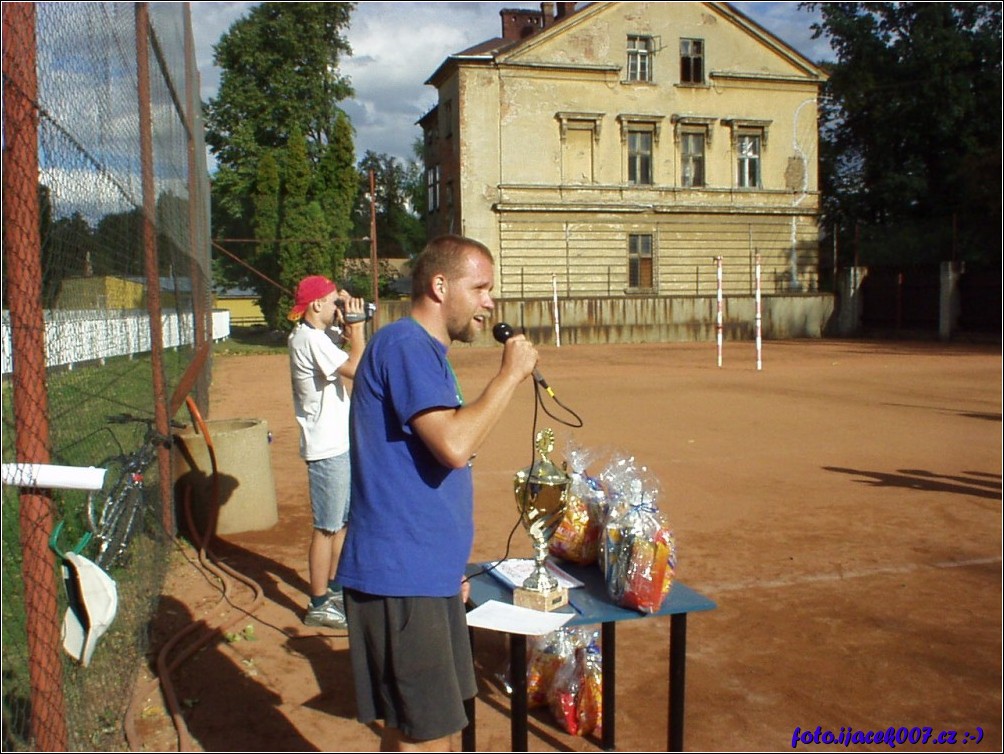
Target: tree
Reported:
point(279, 70)
point(118, 245)
point(302, 228)
point(264, 254)
point(910, 123)
point(67, 249)
point(417, 190)
point(337, 189)
point(400, 232)
point(278, 101)
point(358, 280)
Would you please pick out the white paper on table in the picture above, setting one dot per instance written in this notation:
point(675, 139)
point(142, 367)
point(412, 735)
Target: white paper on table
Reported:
point(514, 571)
point(501, 616)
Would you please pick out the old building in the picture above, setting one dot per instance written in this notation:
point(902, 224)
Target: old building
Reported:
point(616, 149)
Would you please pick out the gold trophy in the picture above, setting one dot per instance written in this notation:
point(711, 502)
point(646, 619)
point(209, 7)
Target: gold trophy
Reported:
point(541, 491)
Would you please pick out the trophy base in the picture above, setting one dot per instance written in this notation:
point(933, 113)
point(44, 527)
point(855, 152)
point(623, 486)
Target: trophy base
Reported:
point(543, 601)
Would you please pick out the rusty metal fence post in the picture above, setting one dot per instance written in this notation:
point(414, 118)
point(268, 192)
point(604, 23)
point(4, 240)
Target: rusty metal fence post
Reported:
point(197, 219)
point(22, 257)
point(107, 279)
point(150, 257)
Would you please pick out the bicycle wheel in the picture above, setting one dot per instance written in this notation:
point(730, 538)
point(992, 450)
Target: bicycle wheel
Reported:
point(119, 522)
point(104, 507)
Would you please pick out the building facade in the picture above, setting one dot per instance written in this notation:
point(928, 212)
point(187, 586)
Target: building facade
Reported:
point(619, 149)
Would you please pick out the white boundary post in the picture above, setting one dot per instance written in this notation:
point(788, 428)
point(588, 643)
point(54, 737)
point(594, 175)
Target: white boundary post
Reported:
point(557, 320)
point(719, 323)
point(759, 318)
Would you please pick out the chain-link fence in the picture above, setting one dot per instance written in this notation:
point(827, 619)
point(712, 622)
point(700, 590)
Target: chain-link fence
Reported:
point(106, 328)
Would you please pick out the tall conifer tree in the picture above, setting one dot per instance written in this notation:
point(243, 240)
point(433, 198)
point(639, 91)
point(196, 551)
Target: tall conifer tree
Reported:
point(280, 82)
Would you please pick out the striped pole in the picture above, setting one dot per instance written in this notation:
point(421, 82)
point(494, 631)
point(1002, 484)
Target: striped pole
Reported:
point(557, 319)
point(759, 319)
point(719, 323)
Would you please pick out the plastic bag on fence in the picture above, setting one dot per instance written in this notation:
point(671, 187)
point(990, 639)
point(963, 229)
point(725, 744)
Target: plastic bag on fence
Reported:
point(639, 550)
point(578, 536)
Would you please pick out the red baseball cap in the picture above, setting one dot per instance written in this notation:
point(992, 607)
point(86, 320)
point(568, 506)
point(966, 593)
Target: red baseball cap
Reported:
point(309, 290)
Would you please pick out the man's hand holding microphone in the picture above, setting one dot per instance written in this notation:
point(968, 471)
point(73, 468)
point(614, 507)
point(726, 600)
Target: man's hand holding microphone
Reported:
point(519, 356)
point(504, 334)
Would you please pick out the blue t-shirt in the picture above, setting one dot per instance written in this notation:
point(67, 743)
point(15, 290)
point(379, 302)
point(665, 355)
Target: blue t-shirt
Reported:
point(411, 523)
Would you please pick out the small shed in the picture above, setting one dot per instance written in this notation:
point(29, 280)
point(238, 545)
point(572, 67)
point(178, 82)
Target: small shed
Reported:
point(242, 303)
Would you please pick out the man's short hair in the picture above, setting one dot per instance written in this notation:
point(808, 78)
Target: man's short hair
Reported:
point(443, 255)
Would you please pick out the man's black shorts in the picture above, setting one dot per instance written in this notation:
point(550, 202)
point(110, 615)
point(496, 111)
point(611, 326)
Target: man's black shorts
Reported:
point(412, 663)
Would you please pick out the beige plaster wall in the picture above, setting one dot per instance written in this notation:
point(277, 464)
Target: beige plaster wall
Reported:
point(515, 196)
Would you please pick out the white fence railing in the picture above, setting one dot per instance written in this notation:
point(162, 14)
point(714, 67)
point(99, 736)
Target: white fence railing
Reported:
point(76, 336)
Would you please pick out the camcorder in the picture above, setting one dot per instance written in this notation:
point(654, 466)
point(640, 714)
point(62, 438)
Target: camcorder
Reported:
point(351, 318)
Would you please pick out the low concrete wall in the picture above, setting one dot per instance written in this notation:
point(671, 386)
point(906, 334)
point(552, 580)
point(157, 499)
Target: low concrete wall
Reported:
point(655, 320)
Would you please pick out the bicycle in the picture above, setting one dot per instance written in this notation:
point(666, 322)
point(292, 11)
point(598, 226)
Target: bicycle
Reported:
point(123, 507)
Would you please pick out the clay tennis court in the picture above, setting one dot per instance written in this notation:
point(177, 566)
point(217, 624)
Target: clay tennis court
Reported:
point(842, 507)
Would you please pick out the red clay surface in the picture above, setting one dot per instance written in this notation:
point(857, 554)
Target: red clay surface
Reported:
point(842, 507)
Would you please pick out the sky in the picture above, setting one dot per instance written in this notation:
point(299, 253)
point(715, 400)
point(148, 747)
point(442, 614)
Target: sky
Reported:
point(396, 46)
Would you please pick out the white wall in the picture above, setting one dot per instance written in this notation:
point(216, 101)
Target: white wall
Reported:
point(80, 336)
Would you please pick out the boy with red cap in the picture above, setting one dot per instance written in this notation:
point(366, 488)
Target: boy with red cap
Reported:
point(318, 369)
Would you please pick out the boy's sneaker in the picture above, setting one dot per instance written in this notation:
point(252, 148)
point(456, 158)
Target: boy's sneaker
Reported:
point(338, 599)
point(326, 614)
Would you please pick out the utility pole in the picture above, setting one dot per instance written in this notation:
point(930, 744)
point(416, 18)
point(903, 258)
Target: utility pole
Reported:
point(373, 253)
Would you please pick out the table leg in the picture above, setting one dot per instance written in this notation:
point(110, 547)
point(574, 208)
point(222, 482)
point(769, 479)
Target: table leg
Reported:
point(469, 735)
point(608, 646)
point(518, 705)
point(677, 679)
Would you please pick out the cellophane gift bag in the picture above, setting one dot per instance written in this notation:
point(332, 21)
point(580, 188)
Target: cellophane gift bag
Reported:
point(545, 655)
point(577, 538)
point(639, 549)
point(575, 696)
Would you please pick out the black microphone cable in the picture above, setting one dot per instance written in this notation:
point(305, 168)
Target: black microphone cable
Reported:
point(536, 387)
point(502, 332)
point(521, 506)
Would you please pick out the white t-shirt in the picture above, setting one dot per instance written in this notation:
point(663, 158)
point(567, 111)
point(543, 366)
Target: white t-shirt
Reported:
point(320, 398)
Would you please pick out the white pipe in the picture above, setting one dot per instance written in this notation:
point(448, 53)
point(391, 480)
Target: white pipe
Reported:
point(47, 476)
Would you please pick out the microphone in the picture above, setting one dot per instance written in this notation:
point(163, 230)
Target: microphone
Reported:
point(502, 331)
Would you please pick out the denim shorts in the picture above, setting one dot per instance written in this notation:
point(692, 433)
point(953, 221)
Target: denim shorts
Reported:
point(329, 480)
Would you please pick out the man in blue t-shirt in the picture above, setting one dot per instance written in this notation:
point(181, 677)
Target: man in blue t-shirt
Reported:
point(411, 522)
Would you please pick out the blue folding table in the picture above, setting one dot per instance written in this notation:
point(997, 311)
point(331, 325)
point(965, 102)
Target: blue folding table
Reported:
point(590, 605)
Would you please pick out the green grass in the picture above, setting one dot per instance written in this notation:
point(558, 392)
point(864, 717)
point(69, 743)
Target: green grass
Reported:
point(80, 402)
point(245, 341)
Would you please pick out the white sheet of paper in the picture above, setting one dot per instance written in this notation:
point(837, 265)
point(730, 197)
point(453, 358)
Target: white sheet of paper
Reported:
point(501, 616)
point(515, 571)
